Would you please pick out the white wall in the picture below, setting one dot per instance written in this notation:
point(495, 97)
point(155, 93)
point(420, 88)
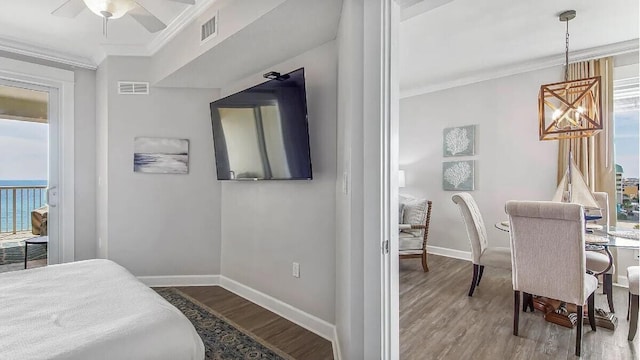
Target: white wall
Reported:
point(268, 225)
point(159, 224)
point(511, 163)
point(102, 156)
point(85, 164)
point(349, 212)
point(233, 15)
point(359, 308)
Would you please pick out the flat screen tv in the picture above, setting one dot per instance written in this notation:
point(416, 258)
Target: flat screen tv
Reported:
point(262, 133)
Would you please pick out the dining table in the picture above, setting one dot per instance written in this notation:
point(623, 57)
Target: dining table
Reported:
point(597, 238)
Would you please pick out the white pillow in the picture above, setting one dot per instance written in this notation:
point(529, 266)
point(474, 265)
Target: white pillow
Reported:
point(415, 213)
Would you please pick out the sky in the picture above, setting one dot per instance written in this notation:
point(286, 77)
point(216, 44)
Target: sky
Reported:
point(627, 142)
point(23, 150)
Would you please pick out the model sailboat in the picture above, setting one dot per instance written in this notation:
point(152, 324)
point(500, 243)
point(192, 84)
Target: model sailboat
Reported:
point(572, 188)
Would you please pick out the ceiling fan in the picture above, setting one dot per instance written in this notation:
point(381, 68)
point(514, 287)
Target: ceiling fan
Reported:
point(113, 9)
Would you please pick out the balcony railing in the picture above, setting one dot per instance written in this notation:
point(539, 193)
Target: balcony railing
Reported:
point(16, 204)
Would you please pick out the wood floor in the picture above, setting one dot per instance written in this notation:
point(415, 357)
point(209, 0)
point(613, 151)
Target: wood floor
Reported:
point(439, 321)
point(278, 332)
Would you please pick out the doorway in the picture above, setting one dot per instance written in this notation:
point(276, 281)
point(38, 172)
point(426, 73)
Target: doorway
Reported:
point(59, 85)
point(25, 159)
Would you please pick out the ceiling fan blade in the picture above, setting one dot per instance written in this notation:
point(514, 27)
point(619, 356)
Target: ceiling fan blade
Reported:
point(70, 8)
point(146, 19)
point(190, 2)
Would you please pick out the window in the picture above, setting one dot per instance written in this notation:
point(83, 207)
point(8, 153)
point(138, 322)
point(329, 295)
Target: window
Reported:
point(627, 143)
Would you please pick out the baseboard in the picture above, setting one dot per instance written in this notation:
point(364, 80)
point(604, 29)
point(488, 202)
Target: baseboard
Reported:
point(297, 316)
point(180, 280)
point(336, 345)
point(452, 253)
point(622, 282)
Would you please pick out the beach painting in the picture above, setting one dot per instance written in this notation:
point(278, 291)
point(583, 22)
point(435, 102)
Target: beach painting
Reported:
point(161, 155)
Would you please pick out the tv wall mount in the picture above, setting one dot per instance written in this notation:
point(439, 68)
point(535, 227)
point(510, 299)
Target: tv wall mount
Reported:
point(276, 76)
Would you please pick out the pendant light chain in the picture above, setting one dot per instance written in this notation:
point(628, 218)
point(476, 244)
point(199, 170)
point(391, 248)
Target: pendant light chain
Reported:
point(566, 54)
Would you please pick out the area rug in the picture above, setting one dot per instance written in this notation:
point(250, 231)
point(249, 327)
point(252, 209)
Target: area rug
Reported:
point(13, 252)
point(222, 339)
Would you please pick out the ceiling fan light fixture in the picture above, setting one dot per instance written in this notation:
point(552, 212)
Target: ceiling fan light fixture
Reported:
point(110, 9)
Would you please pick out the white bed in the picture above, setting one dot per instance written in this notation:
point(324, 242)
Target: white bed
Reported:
point(92, 309)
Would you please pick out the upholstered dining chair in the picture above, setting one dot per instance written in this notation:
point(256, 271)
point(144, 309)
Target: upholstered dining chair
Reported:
point(414, 230)
point(598, 261)
point(547, 252)
point(633, 275)
point(482, 254)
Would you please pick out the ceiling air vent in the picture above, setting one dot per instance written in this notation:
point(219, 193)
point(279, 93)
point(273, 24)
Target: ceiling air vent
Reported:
point(133, 88)
point(209, 29)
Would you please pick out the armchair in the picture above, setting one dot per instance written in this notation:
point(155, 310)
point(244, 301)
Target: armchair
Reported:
point(39, 220)
point(414, 230)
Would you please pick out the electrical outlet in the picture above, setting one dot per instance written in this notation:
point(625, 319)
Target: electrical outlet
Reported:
point(296, 270)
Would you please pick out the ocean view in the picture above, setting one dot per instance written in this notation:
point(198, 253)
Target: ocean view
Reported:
point(26, 201)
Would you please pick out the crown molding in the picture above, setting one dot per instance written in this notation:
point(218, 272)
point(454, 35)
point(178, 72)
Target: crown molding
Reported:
point(173, 28)
point(177, 25)
point(122, 50)
point(522, 67)
point(43, 53)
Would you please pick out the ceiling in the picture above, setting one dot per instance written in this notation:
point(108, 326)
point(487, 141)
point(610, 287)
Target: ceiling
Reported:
point(292, 28)
point(27, 25)
point(440, 40)
point(464, 37)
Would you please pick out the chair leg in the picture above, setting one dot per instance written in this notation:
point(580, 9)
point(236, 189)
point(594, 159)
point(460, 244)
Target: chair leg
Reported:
point(480, 274)
point(633, 324)
point(516, 311)
point(424, 261)
point(525, 301)
point(628, 306)
point(531, 303)
point(25, 254)
point(591, 310)
point(474, 281)
point(607, 287)
point(579, 333)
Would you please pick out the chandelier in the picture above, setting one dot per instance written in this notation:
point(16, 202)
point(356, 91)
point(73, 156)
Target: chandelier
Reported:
point(571, 108)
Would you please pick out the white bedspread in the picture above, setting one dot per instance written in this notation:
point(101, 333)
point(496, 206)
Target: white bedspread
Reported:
point(92, 309)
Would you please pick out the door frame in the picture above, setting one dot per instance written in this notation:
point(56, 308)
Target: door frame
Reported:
point(62, 247)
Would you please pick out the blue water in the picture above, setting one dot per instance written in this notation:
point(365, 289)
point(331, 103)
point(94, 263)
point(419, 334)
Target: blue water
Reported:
point(26, 200)
point(161, 163)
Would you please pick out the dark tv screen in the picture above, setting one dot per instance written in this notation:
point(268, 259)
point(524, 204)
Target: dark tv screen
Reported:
point(262, 133)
